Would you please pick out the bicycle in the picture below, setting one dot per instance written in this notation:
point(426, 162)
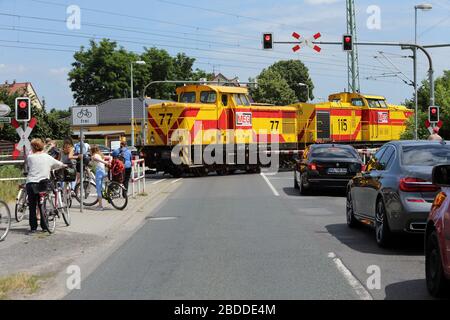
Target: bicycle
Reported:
point(89, 192)
point(113, 192)
point(21, 203)
point(5, 220)
point(53, 203)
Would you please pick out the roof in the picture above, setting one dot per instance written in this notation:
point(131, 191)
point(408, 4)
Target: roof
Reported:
point(118, 111)
point(415, 142)
point(222, 89)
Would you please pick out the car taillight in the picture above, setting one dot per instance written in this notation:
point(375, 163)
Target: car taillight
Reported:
point(417, 185)
point(439, 200)
point(312, 166)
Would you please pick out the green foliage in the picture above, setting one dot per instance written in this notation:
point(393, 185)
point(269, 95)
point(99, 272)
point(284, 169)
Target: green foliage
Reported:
point(279, 84)
point(103, 71)
point(295, 72)
point(442, 97)
point(9, 189)
point(273, 88)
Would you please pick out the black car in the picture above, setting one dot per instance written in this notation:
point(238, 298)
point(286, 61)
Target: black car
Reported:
point(395, 193)
point(326, 165)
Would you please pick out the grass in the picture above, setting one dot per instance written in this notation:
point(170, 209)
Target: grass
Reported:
point(9, 189)
point(20, 283)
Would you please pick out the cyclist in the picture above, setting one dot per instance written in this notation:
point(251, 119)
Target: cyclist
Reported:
point(39, 165)
point(100, 173)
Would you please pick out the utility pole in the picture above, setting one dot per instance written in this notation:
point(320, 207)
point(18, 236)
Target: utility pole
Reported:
point(352, 57)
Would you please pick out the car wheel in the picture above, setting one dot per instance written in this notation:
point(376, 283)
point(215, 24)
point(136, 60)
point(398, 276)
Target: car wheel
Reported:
point(303, 190)
point(351, 220)
point(383, 233)
point(437, 284)
point(296, 186)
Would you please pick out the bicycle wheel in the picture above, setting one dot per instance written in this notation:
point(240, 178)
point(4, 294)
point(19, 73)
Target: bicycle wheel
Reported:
point(68, 191)
point(90, 193)
point(64, 207)
point(21, 205)
point(49, 214)
point(117, 195)
point(5, 220)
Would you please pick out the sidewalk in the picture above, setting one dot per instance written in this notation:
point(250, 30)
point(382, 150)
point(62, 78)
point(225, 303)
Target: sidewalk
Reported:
point(90, 237)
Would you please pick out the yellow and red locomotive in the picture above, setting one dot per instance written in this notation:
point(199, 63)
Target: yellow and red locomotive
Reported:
point(225, 122)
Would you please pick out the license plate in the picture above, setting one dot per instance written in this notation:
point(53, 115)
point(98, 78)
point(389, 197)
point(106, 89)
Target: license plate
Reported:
point(337, 170)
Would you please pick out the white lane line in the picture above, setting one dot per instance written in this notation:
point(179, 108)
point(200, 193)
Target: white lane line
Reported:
point(268, 173)
point(175, 181)
point(275, 192)
point(159, 181)
point(360, 290)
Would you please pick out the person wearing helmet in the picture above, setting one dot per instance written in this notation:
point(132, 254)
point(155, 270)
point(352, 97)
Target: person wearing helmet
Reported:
point(435, 135)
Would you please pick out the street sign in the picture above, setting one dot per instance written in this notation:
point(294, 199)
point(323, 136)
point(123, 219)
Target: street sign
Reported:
point(5, 119)
point(4, 110)
point(83, 116)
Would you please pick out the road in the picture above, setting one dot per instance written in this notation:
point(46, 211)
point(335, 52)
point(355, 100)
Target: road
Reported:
point(254, 237)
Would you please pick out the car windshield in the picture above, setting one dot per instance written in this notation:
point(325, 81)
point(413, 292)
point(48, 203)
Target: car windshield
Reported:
point(333, 152)
point(426, 155)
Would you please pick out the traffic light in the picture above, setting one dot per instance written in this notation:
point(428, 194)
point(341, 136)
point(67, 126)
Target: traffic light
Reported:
point(433, 114)
point(347, 42)
point(23, 109)
point(267, 41)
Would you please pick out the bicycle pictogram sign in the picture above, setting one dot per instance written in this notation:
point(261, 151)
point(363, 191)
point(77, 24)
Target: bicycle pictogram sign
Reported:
point(84, 113)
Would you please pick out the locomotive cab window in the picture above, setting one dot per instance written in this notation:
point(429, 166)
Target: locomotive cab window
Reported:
point(187, 97)
point(377, 103)
point(244, 100)
point(224, 100)
point(237, 100)
point(358, 102)
point(208, 97)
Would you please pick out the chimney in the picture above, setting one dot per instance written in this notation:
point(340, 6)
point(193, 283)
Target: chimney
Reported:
point(14, 82)
point(6, 81)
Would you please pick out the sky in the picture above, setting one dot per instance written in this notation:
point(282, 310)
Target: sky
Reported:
point(37, 44)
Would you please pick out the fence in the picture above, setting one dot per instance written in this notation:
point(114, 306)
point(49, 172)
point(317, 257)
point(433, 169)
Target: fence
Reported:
point(11, 162)
point(137, 178)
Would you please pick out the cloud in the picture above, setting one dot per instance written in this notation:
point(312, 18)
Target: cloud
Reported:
point(2, 66)
point(319, 2)
point(59, 71)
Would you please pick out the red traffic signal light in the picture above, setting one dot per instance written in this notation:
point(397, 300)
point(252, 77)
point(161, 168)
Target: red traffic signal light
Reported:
point(23, 109)
point(347, 42)
point(433, 114)
point(267, 41)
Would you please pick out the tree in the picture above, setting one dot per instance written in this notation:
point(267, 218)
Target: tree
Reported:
point(273, 88)
point(442, 97)
point(295, 72)
point(103, 72)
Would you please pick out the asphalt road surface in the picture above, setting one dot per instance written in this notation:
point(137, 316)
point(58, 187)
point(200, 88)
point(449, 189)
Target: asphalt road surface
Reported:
point(254, 237)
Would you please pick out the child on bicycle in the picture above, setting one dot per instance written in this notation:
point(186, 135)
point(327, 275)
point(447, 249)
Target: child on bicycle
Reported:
point(117, 169)
point(100, 173)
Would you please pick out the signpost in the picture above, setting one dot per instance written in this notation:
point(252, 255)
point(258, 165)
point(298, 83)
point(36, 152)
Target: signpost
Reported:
point(83, 116)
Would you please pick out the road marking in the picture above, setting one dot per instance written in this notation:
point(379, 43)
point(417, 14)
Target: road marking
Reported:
point(162, 218)
point(275, 192)
point(159, 181)
point(360, 290)
point(268, 173)
point(175, 181)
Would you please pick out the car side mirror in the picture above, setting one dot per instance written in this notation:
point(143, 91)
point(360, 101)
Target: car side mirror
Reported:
point(441, 176)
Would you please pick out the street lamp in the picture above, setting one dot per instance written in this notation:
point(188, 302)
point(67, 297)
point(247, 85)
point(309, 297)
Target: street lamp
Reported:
point(140, 62)
point(307, 89)
point(423, 7)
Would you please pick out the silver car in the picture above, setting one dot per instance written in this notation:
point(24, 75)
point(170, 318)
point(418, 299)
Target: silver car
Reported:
point(395, 192)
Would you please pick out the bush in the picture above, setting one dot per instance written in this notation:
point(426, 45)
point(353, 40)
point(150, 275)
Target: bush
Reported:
point(8, 189)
